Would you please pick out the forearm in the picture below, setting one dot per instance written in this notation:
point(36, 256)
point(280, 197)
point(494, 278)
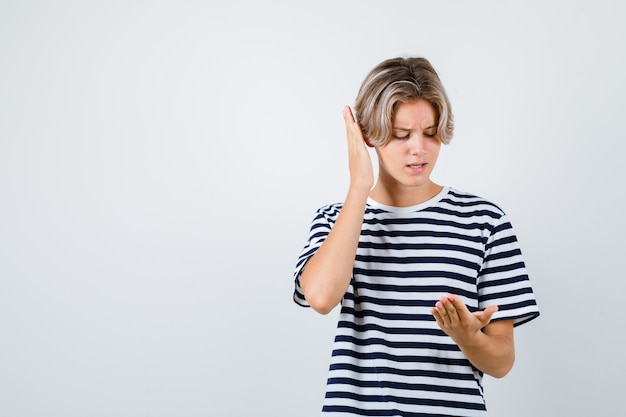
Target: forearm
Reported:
point(327, 274)
point(491, 350)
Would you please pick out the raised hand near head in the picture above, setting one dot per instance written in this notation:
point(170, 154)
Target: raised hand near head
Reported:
point(360, 162)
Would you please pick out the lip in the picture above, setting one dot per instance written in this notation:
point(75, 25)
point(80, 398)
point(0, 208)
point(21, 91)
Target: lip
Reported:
point(420, 167)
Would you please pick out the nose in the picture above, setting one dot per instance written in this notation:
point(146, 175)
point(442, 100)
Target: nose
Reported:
point(417, 145)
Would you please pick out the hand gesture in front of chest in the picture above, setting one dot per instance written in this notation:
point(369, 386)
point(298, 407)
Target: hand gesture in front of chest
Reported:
point(487, 345)
point(455, 319)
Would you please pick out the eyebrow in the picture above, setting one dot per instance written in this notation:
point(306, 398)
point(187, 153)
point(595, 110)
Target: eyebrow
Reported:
point(406, 129)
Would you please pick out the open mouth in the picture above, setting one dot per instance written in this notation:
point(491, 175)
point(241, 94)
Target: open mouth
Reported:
point(416, 166)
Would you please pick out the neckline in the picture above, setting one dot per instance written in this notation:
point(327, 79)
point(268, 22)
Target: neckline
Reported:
point(394, 209)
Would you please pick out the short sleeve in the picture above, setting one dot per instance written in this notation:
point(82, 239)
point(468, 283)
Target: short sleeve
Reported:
point(503, 279)
point(320, 227)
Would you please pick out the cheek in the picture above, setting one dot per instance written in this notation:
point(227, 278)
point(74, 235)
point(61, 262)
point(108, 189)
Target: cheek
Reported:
point(436, 147)
point(387, 156)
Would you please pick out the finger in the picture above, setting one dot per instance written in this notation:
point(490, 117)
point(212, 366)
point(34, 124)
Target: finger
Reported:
point(448, 305)
point(441, 319)
point(459, 306)
point(437, 316)
point(485, 315)
point(444, 313)
point(451, 310)
point(348, 116)
point(352, 127)
point(456, 302)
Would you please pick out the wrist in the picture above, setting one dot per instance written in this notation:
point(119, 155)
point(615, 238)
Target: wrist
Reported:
point(472, 341)
point(360, 187)
point(358, 192)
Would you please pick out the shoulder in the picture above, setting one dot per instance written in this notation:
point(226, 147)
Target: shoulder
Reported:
point(467, 202)
point(332, 209)
point(328, 213)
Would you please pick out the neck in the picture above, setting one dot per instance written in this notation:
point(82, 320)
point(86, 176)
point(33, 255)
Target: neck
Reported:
point(398, 195)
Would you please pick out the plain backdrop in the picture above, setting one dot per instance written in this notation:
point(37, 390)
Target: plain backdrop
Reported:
point(161, 161)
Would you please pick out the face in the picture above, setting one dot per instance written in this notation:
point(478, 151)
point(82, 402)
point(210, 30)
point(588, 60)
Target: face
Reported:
point(408, 159)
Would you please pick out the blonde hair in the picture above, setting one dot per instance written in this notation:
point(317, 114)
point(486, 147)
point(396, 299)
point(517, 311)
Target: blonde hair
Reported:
point(396, 81)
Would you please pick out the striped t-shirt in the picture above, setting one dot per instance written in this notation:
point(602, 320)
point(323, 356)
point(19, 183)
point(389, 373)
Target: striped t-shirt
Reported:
point(389, 356)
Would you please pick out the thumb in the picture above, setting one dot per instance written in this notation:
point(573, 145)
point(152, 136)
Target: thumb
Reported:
point(485, 315)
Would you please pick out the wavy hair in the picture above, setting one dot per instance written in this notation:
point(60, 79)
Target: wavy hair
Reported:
point(396, 81)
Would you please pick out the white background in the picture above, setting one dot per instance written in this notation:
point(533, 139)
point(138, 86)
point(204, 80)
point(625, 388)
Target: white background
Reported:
point(160, 162)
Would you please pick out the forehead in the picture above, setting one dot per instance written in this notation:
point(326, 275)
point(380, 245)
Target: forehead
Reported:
point(414, 114)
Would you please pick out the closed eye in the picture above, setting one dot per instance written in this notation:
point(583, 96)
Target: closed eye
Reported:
point(400, 133)
point(401, 137)
point(431, 132)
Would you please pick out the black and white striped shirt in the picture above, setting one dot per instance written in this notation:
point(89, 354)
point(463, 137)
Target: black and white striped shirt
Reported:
point(389, 357)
